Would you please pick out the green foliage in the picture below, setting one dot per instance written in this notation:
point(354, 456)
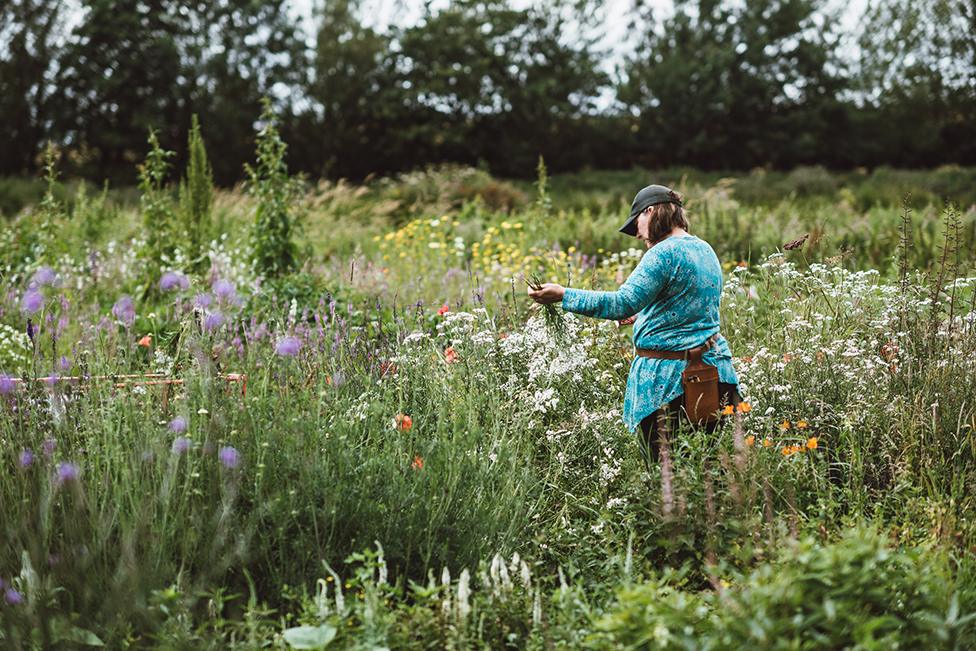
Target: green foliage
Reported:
point(273, 253)
point(158, 216)
point(855, 593)
point(196, 197)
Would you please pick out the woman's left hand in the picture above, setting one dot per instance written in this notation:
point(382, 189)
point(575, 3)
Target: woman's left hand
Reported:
point(548, 293)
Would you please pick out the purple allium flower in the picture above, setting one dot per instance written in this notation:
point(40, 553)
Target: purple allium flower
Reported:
point(173, 280)
point(229, 456)
point(67, 471)
point(13, 597)
point(125, 311)
point(213, 321)
point(202, 300)
point(225, 290)
point(177, 425)
point(105, 324)
point(44, 276)
point(48, 446)
point(26, 458)
point(288, 346)
point(32, 301)
point(7, 384)
point(181, 444)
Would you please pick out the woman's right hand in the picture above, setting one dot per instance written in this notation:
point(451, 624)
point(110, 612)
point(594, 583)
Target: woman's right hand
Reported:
point(548, 293)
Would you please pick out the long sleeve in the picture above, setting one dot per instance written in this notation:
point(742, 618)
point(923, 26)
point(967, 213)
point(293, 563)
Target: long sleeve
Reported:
point(639, 290)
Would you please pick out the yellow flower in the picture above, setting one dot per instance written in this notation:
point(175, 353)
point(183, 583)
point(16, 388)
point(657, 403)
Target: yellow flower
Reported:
point(801, 424)
point(812, 443)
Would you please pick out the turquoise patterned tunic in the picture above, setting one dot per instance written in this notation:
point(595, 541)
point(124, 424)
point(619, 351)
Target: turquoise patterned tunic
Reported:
point(675, 293)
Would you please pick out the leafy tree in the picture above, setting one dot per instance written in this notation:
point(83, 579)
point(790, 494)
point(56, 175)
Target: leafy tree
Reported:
point(131, 64)
point(498, 83)
point(28, 61)
point(917, 81)
point(358, 113)
point(732, 85)
point(272, 251)
point(196, 196)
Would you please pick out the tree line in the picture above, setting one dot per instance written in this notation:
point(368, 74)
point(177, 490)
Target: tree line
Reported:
point(714, 84)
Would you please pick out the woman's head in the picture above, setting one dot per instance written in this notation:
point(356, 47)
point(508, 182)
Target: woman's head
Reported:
point(656, 222)
point(659, 206)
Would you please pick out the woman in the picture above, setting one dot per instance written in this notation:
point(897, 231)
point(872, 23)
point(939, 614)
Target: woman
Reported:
point(674, 294)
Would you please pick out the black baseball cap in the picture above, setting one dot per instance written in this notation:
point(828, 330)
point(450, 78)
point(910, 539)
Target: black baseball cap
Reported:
point(649, 196)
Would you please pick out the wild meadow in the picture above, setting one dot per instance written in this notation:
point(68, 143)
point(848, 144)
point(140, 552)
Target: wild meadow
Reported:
point(323, 415)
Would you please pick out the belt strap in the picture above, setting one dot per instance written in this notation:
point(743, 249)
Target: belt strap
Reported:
point(677, 354)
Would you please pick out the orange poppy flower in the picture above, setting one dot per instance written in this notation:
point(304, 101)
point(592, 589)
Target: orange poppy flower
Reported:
point(418, 462)
point(767, 442)
point(744, 407)
point(146, 341)
point(787, 358)
point(801, 424)
point(404, 422)
point(812, 443)
point(451, 355)
point(784, 425)
point(750, 440)
point(727, 410)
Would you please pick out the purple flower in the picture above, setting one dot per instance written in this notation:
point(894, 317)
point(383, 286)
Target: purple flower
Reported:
point(202, 300)
point(124, 310)
point(181, 444)
point(64, 363)
point(13, 597)
point(26, 458)
point(48, 446)
point(7, 384)
point(67, 471)
point(229, 456)
point(173, 280)
point(225, 290)
point(32, 301)
point(177, 425)
point(44, 276)
point(213, 321)
point(288, 346)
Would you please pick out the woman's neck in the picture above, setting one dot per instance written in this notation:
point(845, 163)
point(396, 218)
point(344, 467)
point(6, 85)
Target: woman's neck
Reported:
point(676, 232)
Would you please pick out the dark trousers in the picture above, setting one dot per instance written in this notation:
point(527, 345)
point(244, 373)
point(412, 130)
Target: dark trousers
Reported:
point(728, 394)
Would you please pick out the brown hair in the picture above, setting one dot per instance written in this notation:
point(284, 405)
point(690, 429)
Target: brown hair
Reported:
point(664, 218)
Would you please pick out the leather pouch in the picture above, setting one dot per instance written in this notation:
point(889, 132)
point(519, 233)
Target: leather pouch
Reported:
point(700, 383)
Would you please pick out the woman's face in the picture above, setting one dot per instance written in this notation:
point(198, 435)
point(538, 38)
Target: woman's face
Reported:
point(643, 227)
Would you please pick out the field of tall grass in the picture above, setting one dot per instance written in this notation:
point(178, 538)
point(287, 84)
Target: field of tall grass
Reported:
point(386, 447)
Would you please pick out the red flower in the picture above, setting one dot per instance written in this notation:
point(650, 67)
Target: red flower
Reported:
point(451, 355)
point(444, 309)
point(146, 341)
point(418, 462)
point(403, 422)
